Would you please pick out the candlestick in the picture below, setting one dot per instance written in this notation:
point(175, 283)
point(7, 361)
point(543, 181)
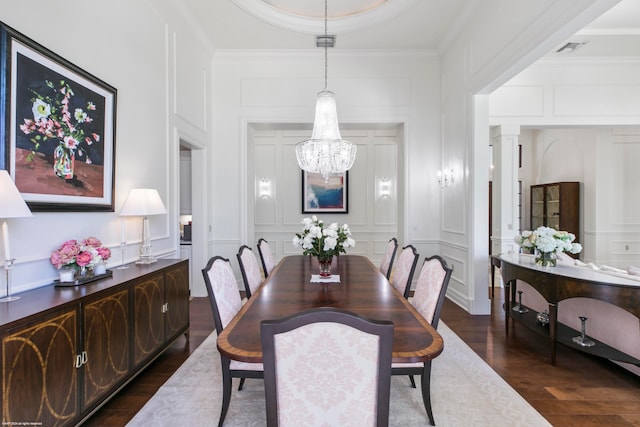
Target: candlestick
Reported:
point(5, 241)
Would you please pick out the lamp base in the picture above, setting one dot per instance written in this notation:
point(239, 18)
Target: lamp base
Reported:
point(8, 299)
point(146, 260)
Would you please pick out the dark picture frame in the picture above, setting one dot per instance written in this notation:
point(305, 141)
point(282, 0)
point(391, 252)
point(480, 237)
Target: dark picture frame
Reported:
point(57, 128)
point(325, 196)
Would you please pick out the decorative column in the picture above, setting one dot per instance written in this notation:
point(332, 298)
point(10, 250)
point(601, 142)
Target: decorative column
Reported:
point(505, 215)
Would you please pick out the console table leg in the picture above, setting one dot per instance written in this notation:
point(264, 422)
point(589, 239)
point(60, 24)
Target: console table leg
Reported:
point(508, 303)
point(553, 331)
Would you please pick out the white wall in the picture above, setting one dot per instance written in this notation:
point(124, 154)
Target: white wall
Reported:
point(145, 50)
point(276, 88)
point(601, 97)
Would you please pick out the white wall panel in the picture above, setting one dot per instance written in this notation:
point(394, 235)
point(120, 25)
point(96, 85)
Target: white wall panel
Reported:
point(612, 100)
point(518, 100)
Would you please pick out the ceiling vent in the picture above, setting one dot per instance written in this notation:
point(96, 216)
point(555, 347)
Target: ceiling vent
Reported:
point(571, 47)
point(328, 40)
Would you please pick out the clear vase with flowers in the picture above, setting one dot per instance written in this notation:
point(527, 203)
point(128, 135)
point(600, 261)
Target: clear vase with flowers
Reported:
point(547, 242)
point(82, 256)
point(323, 243)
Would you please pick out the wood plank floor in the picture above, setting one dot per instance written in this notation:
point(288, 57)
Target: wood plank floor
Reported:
point(580, 391)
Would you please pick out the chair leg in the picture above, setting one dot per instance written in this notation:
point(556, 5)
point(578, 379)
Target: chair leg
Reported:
point(426, 391)
point(413, 382)
point(226, 394)
point(241, 384)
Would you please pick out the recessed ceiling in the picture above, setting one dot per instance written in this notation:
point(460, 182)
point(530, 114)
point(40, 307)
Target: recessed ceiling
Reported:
point(384, 25)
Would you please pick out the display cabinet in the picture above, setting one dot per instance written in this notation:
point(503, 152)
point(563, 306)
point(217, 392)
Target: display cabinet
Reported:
point(556, 205)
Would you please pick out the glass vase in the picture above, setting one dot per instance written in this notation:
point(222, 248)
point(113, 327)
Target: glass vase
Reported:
point(546, 259)
point(324, 263)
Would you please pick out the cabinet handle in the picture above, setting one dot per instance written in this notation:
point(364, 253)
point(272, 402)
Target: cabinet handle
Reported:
point(78, 360)
point(84, 357)
point(165, 307)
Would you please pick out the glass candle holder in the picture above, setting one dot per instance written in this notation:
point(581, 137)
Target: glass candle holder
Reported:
point(67, 275)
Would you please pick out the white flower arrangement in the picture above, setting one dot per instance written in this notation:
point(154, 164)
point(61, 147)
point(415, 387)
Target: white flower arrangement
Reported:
point(548, 240)
point(323, 242)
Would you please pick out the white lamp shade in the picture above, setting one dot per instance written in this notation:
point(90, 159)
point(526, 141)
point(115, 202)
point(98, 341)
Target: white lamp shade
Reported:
point(143, 202)
point(12, 204)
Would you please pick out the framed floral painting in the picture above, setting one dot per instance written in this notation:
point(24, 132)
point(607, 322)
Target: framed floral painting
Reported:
point(325, 196)
point(57, 128)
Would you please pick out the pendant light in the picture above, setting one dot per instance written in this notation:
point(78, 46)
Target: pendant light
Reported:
point(326, 152)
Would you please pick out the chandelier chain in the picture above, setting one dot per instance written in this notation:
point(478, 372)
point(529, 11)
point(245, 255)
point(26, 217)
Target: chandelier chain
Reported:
point(325, 45)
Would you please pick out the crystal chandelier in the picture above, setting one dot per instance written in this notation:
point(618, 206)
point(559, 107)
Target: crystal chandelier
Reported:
point(326, 152)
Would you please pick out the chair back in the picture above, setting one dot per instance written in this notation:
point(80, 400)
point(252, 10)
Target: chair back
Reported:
point(327, 366)
point(266, 256)
point(387, 261)
point(222, 290)
point(431, 288)
point(250, 270)
point(404, 269)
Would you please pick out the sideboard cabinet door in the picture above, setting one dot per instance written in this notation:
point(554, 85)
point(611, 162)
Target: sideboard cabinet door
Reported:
point(177, 300)
point(40, 369)
point(106, 345)
point(149, 317)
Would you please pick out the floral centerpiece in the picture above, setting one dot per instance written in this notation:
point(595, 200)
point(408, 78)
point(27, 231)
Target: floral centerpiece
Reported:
point(547, 242)
point(80, 255)
point(59, 120)
point(322, 242)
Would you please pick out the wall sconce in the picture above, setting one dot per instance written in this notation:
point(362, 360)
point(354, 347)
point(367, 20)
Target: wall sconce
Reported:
point(445, 178)
point(384, 187)
point(265, 190)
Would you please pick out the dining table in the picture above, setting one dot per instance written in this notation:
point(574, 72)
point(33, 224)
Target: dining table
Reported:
point(361, 289)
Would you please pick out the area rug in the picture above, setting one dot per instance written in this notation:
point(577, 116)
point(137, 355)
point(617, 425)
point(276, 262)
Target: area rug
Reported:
point(465, 391)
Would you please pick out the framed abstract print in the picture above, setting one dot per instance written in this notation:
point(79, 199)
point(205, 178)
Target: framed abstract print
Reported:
point(324, 196)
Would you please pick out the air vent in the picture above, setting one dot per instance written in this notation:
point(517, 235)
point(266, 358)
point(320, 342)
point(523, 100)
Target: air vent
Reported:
point(571, 47)
point(326, 40)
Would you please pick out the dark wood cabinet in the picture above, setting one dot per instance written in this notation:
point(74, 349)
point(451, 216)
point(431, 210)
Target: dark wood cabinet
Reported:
point(65, 351)
point(556, 205)
point(39, 374)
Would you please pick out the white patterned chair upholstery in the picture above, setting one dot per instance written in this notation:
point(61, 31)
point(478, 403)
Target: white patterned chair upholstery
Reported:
point(225, 301)
point(404, 269)
point(387, 261)
point(428, 298)
point(266, 256)
point(250, 270)
point(327, 367)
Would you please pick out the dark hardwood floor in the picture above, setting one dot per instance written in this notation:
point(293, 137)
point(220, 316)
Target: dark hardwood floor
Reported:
point(579, 391)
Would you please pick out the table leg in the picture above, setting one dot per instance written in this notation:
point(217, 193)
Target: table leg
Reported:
point(508, 298)
point(553, 331)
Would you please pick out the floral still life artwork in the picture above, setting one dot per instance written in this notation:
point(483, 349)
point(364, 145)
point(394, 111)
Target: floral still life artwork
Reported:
point(60, 130)
point(547, 242)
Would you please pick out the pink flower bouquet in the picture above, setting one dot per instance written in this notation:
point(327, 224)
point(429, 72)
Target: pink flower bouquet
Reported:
point(77, 254)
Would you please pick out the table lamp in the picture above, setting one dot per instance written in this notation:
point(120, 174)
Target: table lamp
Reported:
point(144, 202)
point(12, 205)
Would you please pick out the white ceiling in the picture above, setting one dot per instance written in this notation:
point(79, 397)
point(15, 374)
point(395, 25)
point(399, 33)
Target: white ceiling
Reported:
point(382, 24)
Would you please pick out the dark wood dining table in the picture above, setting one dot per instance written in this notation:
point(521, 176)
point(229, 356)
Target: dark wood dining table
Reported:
point(362, 289)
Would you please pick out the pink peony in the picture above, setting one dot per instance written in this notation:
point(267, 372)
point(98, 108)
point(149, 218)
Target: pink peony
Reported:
point(104, 253)
point(84, 258)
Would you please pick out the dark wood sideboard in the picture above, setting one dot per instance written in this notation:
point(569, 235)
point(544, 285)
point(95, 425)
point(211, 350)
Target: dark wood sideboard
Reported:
point(67, 350)
point(560, 283)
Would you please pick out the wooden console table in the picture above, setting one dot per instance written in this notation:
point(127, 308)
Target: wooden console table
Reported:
point(562, 282)
point(67, 350)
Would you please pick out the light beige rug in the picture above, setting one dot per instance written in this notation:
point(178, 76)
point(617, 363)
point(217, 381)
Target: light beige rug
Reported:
point(465, 391)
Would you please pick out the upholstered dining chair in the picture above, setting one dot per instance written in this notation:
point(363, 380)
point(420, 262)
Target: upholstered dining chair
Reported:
point(327, 366)
point(266, 257)
point(428, 298)
point(250, 269)
point(403, 270)
point(387, 261)
point(225, 301)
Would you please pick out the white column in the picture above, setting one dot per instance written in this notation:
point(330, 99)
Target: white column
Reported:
point(504, 189)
